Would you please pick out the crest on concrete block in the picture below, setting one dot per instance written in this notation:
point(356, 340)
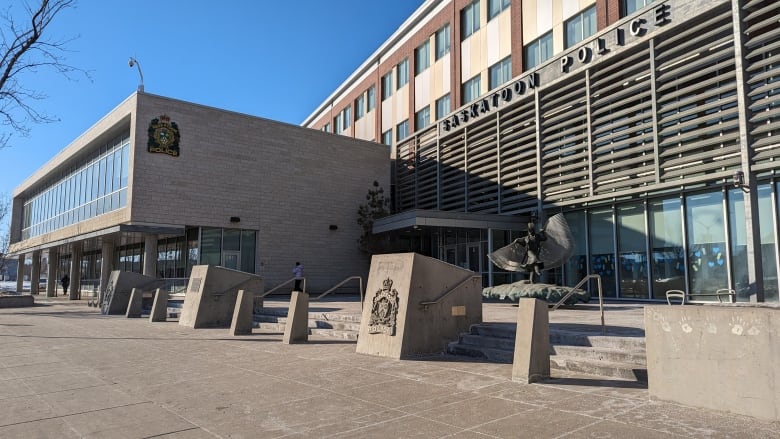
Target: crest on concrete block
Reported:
point(384, 310)
point(164, 136)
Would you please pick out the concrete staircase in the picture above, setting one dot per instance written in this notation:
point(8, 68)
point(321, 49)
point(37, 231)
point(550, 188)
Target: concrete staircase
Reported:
point(611, 356)
point(336, 325)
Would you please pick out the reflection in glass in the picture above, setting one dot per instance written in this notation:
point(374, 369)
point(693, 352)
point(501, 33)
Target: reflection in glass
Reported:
point(667, 262)
point(739, 266)
point(707, 267)
point(632, 251)
point(602, 249)
point(575, 269)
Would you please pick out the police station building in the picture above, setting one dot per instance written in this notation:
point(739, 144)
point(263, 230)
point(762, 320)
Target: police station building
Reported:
point(657, 136)
point(160, 185)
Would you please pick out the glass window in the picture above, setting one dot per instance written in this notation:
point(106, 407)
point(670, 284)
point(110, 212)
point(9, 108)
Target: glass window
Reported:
point(443, 41)
point(706, 243)
point(402, 130)
point(326, 127)
point(337, 123)
point(767, 228)
point(496, 6)
point(539, 51)
point(371, 98)
point(422, 57)
point(602, 249)
point(580, 26)
point(387, 137)
point(422, 118)
point(360, 107)
point(211, 246)
point(403, 72)
point(631, 6)
point(576, 268)
point(632, 251)
point(387, 85)
point(469, 20)
point(442, 106)
point(667, 263)
point(471, 89)
point(109, 173)
point(347, 119)
point(500, 73)
point(248, 250)
point(231, 240)
point(125, 164)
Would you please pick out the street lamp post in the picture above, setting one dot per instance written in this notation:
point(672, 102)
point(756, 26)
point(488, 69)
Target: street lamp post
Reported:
point(134, 62)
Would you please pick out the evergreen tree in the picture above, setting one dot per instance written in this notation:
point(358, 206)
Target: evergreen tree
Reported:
point(376, 207)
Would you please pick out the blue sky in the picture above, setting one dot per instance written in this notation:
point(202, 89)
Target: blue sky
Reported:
point(273, 59)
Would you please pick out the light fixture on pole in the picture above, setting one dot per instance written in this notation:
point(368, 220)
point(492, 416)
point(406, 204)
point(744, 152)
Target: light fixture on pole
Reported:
point(134, 62)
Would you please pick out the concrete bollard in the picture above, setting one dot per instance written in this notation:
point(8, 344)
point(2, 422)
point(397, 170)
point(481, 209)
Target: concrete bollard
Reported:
point(532, 343)
point(134, 305)
point(159, 306)
point(297, 328)
point(242, 314)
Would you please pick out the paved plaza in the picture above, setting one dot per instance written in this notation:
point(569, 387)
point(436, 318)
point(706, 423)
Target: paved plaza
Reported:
point(69, 372)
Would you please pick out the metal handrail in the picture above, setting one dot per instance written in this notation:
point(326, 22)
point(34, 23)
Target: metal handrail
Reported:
point(281, 285)
point(601, 297)
point(425, 304)
point(342, 283)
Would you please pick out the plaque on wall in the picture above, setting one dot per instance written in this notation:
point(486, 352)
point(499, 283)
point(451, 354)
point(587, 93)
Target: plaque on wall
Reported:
point(384, 310)
point(164, 136)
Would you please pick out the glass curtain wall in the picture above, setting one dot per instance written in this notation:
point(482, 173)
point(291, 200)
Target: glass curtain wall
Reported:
point(632, 251)
point(228, 244)
point(576, 268)
point(666, 246)
point(602, 249)
point(706, 236)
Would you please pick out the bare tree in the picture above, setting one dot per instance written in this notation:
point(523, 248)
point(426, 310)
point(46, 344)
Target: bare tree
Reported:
point(25, 47)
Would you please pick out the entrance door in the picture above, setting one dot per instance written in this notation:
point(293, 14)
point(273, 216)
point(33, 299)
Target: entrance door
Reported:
point(231, 259)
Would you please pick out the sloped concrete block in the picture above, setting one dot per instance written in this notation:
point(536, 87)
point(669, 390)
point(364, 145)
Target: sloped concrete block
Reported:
point(297, 328)
point(416, 305)
point(159, 306)
point(242, 314)
point(211, 295)
point(134, 304)
point(531, 362)
point(116, 298)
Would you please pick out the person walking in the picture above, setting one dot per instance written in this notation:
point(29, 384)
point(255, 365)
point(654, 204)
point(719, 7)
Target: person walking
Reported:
point(65, 281)
point(298, 272)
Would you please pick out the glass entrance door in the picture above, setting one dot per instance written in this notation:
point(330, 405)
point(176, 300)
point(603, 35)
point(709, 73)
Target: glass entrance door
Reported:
point(231, 259)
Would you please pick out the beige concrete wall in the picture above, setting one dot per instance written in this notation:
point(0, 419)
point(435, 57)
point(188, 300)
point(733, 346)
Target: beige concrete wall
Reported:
point(717, 357)
point(288, 182)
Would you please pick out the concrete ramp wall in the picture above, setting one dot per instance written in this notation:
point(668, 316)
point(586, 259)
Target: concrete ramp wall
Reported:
point(211, 295)
point(120, 285)
point(395, 324)
point(717, 357)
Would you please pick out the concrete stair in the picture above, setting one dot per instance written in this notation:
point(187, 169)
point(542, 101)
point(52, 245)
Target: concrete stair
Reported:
point(336, 325)
point(600, 355)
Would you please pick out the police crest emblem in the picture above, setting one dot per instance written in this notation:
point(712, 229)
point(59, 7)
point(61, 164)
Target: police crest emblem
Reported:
point(164, 136)
point(384, 310)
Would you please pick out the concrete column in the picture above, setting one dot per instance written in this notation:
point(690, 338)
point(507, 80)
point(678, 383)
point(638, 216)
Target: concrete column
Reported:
point(106, 266)
point(242, 314)
point(532, 343)
point(20, 274)
point(74, 292)
point(35, 274)
point(297, 328)
point(150, 256)
point(51, 277)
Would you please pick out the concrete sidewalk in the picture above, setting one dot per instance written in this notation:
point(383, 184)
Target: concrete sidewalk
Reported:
point(69, 372)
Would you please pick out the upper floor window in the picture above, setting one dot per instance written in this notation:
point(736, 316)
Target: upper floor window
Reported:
point(402, 130)
point(338, 122)
point(580, 26)
point(443, 41)
point(539, 50)
point(469, 20)
point(631, 6)
point(360, 107)
point(422, 118)
point(500, 72)
point(387, 85)
point(442, 106)
point(371, 98)
point(347, 117)
point(326, 128)
point(422, 57)
point(471, 89)
point(403, 72)
point(495, 7)
point(387, 137)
